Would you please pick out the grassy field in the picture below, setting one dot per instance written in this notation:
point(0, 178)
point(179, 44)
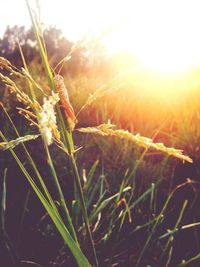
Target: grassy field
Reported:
point(105, 176)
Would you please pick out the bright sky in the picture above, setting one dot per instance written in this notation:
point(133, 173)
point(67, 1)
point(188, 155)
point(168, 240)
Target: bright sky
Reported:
point(165, 34)
point(74, 17)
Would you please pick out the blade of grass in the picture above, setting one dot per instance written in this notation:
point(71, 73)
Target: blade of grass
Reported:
point(31, 162)
point(42, 49)
point(67, 136)
point(158, 219)
point(90, 175)
point(115, 206)
point(179, 229)
point(6, 239)
point(171, 237)
point(41, 44)
point(189, 261)
point(74, 248)
point(26, 68)
point(18, 141)
point(64, 209)
point(68, 219)
point(3, 201)
point(22, 219)
point(104, 204)
point(83, 206)
point(136, 202)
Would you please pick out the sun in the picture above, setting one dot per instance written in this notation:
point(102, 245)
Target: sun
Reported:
point(164, 35)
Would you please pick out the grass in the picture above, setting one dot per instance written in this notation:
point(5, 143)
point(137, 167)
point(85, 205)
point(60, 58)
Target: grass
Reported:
point(97, 223)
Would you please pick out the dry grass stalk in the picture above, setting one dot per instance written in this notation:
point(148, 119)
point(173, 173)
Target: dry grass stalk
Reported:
point(14, 143)
point(5, 64)
point(21, 96)
point(145, 142)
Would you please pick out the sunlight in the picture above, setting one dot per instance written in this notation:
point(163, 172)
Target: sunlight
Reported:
point(163, 34)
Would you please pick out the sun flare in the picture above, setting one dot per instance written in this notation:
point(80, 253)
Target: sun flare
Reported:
point(164, 35)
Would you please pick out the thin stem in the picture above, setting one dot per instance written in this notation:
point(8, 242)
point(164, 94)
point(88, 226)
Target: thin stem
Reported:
point(186, 262)
point(59, 191)
point(76, 251)
point(82, 202)
point(170, 239)
point(67, 138)
point(31, 161)
point(65, 212)
point(70, 147)
point(158, 219)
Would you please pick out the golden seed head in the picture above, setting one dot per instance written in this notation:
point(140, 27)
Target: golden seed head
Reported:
point(145, 142)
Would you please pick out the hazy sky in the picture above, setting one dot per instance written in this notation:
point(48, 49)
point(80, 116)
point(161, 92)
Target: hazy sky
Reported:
point(160, 32)
point(74, 17)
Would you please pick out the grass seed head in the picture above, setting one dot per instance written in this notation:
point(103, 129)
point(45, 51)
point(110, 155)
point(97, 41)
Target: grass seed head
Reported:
point(47, 119)
point(145, 142)
point(64, 98)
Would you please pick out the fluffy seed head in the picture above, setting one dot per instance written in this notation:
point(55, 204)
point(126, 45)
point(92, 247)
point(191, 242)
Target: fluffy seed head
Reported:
point(47, 119)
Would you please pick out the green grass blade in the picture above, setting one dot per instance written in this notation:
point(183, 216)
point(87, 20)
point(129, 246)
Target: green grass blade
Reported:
point(74, 248)
point(8, 244)
point(33, 164)
point(3, 201)
point(64, 209)
point(82, 204)
point(104, 204)
point(187, 262)
point(90, 175)
point(171, 236)
point(41, 49)
point(26, 68)
point(64, 132)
